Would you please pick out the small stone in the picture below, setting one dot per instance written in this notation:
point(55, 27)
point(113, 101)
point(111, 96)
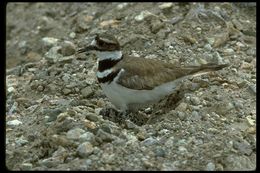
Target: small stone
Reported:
point(49, 162)
point(49, 42)
point(251, 130)
point(89, 124)
point(210, 166)
point(239, 44)
point(211, 41)
point(246, 65)
point(40, 88)
point(85, 149)
point(121, 6)
point(87, 92)
point(149, 141)
point(166, 5)
point(195, 100)
point(244, 147)
point(52, 114)
point(104, 136)
point(66, 91)
point(109, 23)
point(181, 107)
point(72, 35)
point(83, 23)
point(26, 166)
point(195, 115)
point(229, 51)
point(143, 15)
point(21, 141)
point(92, 117)
point(182, 149)
point(148, 110)
point(14, 123)
point(208, 47)
point(159, 152)
point(53, 54)
point(75, 133)
point(10, 89)
point(88, 136)
point(181, 115)
point(68, 48)
point(130, 124)
point(238, 104)
point(250, 121)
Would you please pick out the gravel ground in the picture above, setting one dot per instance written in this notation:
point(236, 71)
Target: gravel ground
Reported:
point(54, 105)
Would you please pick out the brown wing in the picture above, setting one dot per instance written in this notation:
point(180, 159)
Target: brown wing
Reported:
point(145, 74)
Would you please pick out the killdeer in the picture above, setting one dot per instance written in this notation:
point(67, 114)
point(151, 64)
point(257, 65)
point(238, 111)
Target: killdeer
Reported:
point(134, 82)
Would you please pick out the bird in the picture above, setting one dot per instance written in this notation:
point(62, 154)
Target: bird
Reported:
point(131, 83)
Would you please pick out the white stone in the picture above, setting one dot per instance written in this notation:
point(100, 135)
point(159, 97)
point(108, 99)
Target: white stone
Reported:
point(14, 123)
point(166, 5)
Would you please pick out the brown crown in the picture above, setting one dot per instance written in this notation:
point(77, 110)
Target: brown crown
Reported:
point(106, 42)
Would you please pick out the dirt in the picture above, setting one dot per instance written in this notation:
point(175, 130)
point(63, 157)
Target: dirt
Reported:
point(56, 110)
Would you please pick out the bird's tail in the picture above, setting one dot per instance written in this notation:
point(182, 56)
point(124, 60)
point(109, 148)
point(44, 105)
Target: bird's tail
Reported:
point(206, 68)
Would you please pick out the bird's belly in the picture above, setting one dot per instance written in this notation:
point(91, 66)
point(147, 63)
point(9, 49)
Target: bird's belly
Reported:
point(122, 97)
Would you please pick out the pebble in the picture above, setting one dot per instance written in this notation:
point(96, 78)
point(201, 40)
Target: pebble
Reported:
point(88, 136)
point(159, 152)
point(68, 48)
point(252, 89)
point(75, 133)
point(210, 166)
point(104, 136)
point(52, 114)
point(208, 47)
point(121, 6)
point(49, 42)
point(181, 115)
point(72, 35)
point(244, 147)
point(195, 115)
point(182, 149)
point(130, 124)
point(85, 149)
point(195, 100)
point(14, 123)
point(250, 121)
point(150, 141)
point(66, 91)
point(109, 23)
point(26, 166)
point(228, 51)
point(166, 5)
point(92, 117)
point(10, 89)
point(143, 15)
point(83, 23)
point(181, 107)
point(239, 44)
point(21, 141)
point(246, 65)
point(211, 41)
point(87, 92)
point(53, 54)
point(49, 162)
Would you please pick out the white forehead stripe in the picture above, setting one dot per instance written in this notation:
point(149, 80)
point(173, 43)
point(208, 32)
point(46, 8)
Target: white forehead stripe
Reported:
point(104, 73)
point(113, 55)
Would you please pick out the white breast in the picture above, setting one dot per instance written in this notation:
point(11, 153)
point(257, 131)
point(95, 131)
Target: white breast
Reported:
point(123, 97)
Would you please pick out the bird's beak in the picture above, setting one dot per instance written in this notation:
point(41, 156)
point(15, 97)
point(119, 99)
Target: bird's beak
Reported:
point(86, 49)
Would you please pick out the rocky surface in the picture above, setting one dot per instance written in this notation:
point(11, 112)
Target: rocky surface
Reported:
point(54, 104)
